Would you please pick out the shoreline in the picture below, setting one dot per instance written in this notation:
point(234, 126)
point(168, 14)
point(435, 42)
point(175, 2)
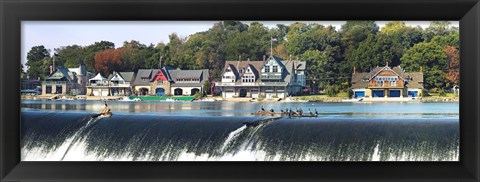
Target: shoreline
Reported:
point(295, 99)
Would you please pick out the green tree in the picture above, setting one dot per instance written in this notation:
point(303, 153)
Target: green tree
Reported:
point(376, 50)
point(35, 62)
point(316, 61)
point(452, 39)
point(72, 55)
point(135, 55)
point(431, 58)
point(252, 43)
point(332, 90)
point(206, 87)
point(438, 28)
point(354, 32)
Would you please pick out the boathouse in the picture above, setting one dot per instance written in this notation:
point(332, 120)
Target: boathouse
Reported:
point(169, 81)
point(387, 82)
point(64, 81)
point(270, 78)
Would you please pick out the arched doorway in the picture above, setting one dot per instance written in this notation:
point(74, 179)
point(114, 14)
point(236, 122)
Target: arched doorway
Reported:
point(178, 91)
point(143, 91)
point(160, 91)
point(194, 91)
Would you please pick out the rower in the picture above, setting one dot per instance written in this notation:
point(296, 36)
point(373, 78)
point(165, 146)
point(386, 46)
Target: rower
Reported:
point(316, 113)
point(309, 112)
point(271, 110)
point(105, 110)
point(263, 109)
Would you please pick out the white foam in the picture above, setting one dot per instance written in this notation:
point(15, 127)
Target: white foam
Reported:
point(232, 136)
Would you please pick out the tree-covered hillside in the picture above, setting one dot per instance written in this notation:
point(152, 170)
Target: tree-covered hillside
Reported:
point(331, 54)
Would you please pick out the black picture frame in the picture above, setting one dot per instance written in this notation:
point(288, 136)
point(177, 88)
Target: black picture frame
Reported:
point(12, 12)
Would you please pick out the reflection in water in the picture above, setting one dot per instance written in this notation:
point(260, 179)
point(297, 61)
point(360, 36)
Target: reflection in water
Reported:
point(350, 110)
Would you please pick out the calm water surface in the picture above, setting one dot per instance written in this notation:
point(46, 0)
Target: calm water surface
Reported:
point(348, 110)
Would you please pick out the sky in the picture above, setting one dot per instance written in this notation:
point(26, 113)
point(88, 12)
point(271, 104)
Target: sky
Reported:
point(55, 34)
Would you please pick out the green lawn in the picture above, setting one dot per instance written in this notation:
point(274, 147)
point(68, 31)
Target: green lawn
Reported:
point(435, 94)
point(316, 97)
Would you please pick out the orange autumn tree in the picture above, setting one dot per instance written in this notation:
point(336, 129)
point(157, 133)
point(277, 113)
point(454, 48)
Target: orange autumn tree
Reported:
point(453, 57)
point(108, 61)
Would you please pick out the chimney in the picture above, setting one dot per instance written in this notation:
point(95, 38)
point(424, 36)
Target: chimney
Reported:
point(354, 70)
point(51, 69)
point(239, 57)
point(248, 59)
point(386, 63)
point(264, 57)
point(421, 69)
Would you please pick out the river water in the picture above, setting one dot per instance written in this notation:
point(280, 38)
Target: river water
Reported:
point(215, 131)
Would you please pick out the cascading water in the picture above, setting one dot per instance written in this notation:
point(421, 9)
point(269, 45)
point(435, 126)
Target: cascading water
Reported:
point(232, 136)
point(48, 136)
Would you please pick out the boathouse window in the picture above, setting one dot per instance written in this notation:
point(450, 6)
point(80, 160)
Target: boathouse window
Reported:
point(393, 83)
point(275, 69)
point(267, 69)
point(379, 82)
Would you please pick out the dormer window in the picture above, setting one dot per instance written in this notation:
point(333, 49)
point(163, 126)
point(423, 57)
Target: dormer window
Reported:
point(267, 69)
point(228, 70)
point(275, 69)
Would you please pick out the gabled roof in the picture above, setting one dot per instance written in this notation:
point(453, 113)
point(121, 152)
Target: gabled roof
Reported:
point(143, 73)
point(186, 74)
point(361, 79)
point(397, 70)
point(233, 68)
point(203, 75)
point(277, 59)
point(98, 77)
point(60, 73)
point(126, 76)
point(416, 79)
point(80, 70)
point(288, 72)
point(256, 66)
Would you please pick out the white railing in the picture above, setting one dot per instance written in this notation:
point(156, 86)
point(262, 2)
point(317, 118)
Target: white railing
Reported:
point(252, 84)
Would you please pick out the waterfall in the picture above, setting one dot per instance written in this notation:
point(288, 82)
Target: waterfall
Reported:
point(232, 136)
point(76, 137)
